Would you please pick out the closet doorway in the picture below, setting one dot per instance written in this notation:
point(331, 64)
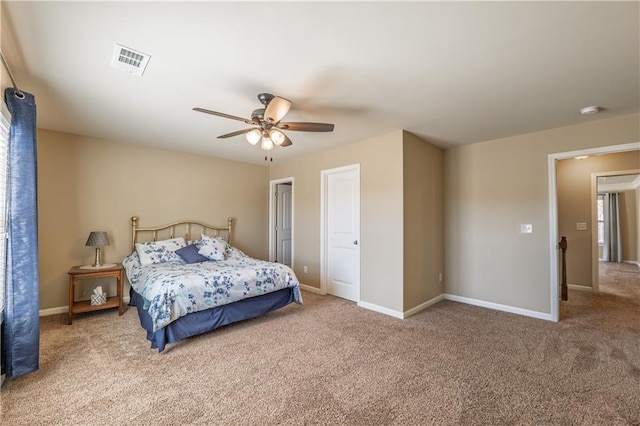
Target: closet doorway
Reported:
point(340, 232)
point(281, 221)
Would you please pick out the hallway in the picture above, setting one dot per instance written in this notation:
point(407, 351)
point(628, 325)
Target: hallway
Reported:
point(620, 279)
point(617, 303)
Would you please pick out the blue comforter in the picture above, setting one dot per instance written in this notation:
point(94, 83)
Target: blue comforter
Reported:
point(175, 289)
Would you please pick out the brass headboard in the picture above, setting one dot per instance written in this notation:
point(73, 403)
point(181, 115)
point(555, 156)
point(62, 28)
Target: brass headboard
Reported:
point(180, 229)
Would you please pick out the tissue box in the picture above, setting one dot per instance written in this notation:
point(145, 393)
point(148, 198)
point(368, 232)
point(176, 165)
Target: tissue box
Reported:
point(98, 299)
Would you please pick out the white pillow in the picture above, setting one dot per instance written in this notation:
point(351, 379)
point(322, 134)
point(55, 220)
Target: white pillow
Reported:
point(212, 247)
point(159, 251)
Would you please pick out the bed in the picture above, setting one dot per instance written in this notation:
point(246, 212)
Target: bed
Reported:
point(187, 278)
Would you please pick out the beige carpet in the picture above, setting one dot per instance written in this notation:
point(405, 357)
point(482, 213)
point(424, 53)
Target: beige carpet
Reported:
point(331, 362)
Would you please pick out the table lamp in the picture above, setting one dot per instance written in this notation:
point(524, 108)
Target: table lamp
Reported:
point(97, 239)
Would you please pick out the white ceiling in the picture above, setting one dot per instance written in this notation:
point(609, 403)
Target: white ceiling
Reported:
point(452, 73)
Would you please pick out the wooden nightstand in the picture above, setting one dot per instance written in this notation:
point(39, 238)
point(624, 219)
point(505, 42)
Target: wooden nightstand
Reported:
point(76, 274)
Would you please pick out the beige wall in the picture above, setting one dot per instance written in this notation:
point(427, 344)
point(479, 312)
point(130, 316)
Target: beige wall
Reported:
point(381, 203)
point(9, 50)
point(423, 221)
point(493, 187)
point(5, 44)
point(401, 185)
point(574, 205)
point(3, 73)
point(87, 184)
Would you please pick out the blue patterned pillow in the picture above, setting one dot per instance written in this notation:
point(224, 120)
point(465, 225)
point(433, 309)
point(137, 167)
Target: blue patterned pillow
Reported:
point(159, 251)
point(212, 247)
point(190, 254)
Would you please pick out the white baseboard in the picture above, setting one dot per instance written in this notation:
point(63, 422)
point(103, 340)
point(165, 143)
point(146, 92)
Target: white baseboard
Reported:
point(454, 298)
point(401, 315)
point(65, 309)
point(54, 311)
point(580, 287)
point(381, 309)
point(499, 307)
point(311, 289)
point(387, 311)
point(423, 306)
point(633, 262)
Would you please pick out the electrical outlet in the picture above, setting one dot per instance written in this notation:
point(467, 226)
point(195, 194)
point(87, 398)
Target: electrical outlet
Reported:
point(305, 269)
point(440, 277)
point(581, 226)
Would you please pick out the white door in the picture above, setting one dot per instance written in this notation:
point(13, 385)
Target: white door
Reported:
point(284, 223)
point(341, 219)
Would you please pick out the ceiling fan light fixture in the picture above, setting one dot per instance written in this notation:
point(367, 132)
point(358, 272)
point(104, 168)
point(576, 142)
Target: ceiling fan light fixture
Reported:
point(254, 136)
point(276, 136)
point(267, 144)
point(265, 123)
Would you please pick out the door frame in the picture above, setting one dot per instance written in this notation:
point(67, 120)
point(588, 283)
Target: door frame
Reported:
point(595, 258)
point(324, 174)
point(272, 218)
point(554, 238)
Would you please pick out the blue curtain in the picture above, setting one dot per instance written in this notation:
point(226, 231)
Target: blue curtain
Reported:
point(21, 336)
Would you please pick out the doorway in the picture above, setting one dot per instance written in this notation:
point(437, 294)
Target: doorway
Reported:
point(281, 223)
point(340, 232)
point(616, 233)
point(554, 237)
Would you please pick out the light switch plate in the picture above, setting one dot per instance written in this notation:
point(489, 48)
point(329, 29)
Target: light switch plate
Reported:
point(581, 226)
point(526, 228)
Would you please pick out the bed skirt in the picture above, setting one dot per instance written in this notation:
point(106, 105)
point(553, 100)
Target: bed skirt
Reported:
point(203, 321)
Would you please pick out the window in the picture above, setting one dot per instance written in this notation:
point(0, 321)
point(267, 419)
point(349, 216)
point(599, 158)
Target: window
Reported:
point(5, 124)
point(600, 219)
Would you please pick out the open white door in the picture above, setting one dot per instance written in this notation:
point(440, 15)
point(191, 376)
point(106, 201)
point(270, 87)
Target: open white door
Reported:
point(341, 232)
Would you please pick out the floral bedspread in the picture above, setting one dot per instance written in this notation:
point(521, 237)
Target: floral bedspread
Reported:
point(174, 289)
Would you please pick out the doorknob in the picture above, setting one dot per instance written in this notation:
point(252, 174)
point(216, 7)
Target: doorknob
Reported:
point(355, 242)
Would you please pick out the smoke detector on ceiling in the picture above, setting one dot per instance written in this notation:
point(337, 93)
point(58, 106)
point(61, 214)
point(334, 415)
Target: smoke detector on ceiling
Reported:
point(129, 60)
point(590, 110)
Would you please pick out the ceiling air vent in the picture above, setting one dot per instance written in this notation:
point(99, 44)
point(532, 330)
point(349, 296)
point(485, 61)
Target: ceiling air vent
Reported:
point(129, 60)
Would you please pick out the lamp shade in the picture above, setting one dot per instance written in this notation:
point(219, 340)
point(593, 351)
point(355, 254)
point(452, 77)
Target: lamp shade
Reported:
point(97, 239)
point(254, 136)
point(266, 144)
point(276, 136)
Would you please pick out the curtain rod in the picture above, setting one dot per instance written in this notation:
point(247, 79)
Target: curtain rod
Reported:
point(18, 93)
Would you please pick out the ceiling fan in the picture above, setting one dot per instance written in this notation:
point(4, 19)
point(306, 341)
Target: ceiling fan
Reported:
point(267, 125)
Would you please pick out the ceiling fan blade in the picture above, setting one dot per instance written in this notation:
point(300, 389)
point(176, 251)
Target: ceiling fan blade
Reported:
point(222, 114)
point(276, 109)
point(306, 127)
point(236, 133)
